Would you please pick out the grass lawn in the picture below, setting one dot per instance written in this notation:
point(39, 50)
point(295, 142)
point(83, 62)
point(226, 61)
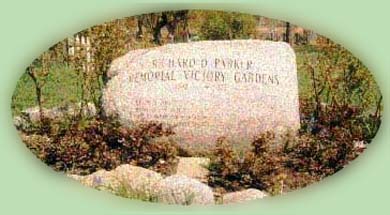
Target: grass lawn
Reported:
point(62, 87)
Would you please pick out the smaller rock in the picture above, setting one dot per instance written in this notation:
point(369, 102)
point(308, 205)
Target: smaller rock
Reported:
point(137, 182)
point(33, 114)
point(242, 196)
point(126, 181)
point(101, 180)
point(359, 145)
point(21, 123)
point(179, 189)
point(89, 109)
point(193, 167)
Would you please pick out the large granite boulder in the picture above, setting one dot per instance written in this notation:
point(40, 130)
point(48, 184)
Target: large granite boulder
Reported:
point(206, 90)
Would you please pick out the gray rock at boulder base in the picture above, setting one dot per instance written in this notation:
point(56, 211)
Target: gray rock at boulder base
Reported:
point(101, 179)
point(179, 189)
point(125, 180)
point(193, 167)
point(32, 114)
point(137, 181)
point(242, 196)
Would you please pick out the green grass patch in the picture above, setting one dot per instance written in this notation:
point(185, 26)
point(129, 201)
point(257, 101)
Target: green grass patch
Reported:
point(62, 87)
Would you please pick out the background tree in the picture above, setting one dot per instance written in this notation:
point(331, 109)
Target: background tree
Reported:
point(287, 33)
point(219, 25)
point(108, 42)
point(155, 22)
point(344, 93)
point(38, 72)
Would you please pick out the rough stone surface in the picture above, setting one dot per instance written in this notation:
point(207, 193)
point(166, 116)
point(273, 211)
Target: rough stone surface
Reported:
point(242, 196)
point(32, 114)
point(137, 181)
point(178, 189)
point(128, 180)
point(102, 180)
point(207, 89)
point(193, 167)
point(21, 123)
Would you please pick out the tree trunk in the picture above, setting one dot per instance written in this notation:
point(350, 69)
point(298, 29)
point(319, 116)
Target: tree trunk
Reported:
point(99, 102)
point(171, 30)
point(316, 94)
point(139, 25)
point(157, 29)
point(287, 37)
point(38, 91)
point(186, 31)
